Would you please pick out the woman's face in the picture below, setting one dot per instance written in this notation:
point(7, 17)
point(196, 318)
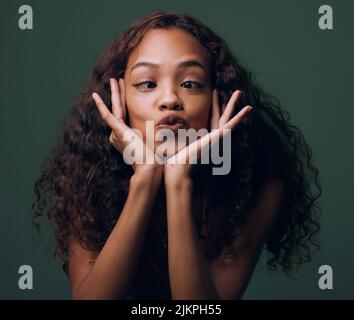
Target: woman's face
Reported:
point(168, 74)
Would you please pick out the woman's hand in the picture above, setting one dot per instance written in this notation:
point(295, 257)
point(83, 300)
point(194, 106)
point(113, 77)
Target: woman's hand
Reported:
point(178, 167)
point(122, 136)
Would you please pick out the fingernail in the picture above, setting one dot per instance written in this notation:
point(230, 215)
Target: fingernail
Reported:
point(249, 108)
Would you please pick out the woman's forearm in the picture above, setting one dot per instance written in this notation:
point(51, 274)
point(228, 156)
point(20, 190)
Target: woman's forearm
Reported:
point(114, 269)
point(188, 268)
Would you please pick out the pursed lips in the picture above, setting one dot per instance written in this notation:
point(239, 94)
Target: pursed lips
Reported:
point(171, 122)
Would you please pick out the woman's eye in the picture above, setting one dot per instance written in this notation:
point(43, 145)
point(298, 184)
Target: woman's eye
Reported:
point(145, 85)
point(192, 85)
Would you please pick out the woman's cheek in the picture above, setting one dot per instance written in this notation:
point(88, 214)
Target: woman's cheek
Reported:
point(199, 116)
point(138, 109)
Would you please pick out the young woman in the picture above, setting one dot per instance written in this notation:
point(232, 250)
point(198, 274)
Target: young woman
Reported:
point(166, 230)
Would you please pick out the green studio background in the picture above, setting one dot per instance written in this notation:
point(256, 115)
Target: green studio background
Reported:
point(308, 69)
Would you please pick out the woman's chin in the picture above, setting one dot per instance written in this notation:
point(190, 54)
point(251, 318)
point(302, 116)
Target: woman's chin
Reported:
point(168, 148)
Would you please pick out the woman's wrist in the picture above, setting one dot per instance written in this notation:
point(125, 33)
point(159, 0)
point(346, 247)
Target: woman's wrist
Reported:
point(147, 177)
point(174, 183)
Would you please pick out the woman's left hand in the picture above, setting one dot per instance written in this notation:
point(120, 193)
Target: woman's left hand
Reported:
point(178, 167)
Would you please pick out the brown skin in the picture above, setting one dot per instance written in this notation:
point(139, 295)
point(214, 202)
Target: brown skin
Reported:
point(191, 275)
point(174, 89)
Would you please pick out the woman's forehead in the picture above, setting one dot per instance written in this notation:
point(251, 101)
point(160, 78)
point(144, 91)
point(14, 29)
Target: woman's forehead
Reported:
point(166, 46)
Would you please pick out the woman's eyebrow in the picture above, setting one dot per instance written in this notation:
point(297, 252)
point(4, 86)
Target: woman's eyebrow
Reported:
point(192, 63)
point(184, 64)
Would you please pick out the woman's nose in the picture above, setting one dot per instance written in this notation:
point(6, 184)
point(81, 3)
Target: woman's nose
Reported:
point(170, 100)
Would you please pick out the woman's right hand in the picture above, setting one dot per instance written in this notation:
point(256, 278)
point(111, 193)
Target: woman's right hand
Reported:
point(116, 121)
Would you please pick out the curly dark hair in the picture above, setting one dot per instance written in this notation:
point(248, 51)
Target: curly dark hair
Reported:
point(84, 185)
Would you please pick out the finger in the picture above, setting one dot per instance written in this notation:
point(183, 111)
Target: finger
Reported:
point(230, 107)
point(106, 115)
point(192, 152)
point(215, 111)
point(122, 98)
point(115, 98)
point(238, 118)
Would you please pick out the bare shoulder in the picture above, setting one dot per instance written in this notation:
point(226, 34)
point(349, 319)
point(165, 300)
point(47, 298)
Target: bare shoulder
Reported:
point(269, 200)
point(80, 261)
point(262, 217)
point(232, 274)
